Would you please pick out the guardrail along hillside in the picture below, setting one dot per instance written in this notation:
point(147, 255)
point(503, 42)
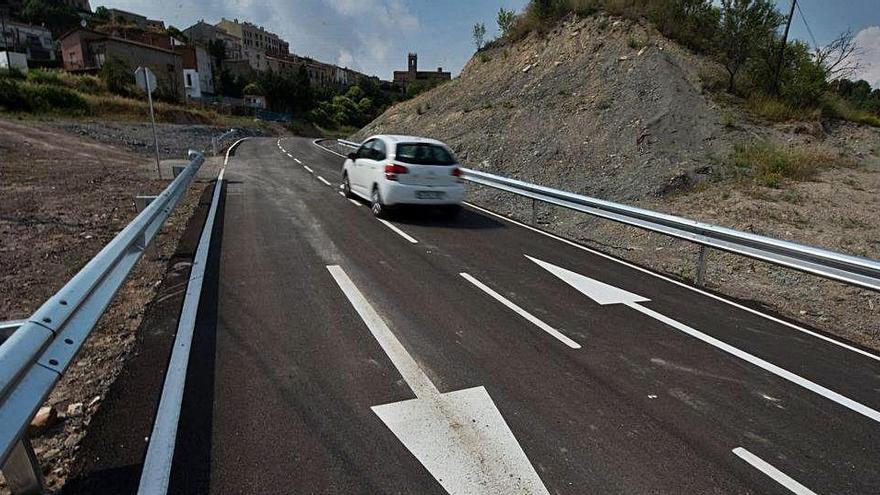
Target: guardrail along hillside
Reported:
point(853, 270)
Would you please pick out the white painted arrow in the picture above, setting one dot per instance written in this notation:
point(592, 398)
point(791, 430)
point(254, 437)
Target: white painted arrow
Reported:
point(460, 437)
point(606, 294)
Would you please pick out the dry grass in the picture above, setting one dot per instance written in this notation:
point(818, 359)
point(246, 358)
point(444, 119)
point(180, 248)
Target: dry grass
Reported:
point(768, 164)
point(776, 110)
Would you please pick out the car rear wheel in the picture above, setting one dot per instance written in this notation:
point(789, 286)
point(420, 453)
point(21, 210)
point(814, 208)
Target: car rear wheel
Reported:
point(379, 210)
point(346, 187)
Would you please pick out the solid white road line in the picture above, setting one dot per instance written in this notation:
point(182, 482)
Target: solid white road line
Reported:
point(341, 193)
point(777, 475)
point(308, 169)
point(353, 201)
point(680, 284)
point(400, 232)
point(315, 142)
point(297, 161)
point(325, 181)
point(156, 471)
point(417, 380)
point(606, 294)
point(525, 314)
point(460, 437)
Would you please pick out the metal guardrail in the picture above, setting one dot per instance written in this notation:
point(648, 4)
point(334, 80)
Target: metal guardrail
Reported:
point(217, 141)
point(7, 328)
point(37, 354)
point(853, 270)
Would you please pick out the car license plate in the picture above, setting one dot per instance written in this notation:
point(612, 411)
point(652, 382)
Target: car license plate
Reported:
point(429, 194)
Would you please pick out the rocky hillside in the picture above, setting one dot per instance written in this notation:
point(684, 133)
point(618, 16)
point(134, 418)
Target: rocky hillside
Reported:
point(600, 106)
point(610, 108)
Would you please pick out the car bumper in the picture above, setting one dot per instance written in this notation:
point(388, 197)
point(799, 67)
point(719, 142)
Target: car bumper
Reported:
point(403, 194)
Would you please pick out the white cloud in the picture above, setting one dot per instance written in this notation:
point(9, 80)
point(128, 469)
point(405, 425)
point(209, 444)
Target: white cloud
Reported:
point(345, 58)
point(361, 34)
point(868, 41)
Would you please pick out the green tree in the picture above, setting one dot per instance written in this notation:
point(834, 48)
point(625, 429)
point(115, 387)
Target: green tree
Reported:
point(253, 89)
point(746, 27)
point(117, 77)
point(55, 14)
point(505, 20)
point(479, 35)
point(693, 23)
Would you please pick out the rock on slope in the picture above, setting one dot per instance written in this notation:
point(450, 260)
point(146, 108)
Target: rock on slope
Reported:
point(604, 107)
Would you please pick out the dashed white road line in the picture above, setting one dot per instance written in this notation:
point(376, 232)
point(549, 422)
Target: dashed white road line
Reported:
point(525, 314)
point(325, 181)
point(675, 282)
point(297, 161)
point(398, 231)
point(354, 202)
point(777, 475)
point(341, 193)
point(308, 169)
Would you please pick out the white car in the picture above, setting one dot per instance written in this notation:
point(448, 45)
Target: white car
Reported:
point(390, 170)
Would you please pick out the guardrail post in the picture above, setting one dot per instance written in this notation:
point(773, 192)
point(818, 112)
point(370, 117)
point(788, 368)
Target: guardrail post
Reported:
point(534, 212)
point(214, 145)
point(22, 471)
point(701, 267)
point(177, 170)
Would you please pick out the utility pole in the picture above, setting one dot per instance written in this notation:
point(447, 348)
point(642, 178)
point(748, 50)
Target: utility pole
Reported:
point(782, 48)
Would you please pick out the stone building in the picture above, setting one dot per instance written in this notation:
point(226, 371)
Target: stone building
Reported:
point(413, 74)
point(257, 43)
point(83, 50)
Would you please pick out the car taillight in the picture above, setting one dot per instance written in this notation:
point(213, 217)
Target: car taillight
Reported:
point(456, 172)
point(392, 170)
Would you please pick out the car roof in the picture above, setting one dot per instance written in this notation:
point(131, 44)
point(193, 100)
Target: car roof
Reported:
point(399, 138)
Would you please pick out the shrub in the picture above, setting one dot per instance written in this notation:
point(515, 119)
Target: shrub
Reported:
point(779, 110)
point(116, 76)
point(835, 107)
point(769, 163)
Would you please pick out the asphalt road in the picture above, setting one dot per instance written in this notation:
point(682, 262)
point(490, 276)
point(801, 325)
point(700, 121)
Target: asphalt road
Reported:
point(317, 312)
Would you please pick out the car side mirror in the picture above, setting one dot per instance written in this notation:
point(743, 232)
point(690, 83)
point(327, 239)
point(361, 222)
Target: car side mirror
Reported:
point(353, 155)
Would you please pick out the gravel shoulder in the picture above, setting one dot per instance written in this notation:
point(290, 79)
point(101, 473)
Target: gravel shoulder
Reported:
point(62, 199)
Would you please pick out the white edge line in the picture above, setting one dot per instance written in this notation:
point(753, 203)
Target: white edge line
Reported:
point(160, 451)
point(325, 181)
point(525, 314)
point(308, 169)
point(399, 232)
point(777, 475)
point(761, 363)
point(681, 284)
point(315, 142)
point(341, 193)
point(353, 201)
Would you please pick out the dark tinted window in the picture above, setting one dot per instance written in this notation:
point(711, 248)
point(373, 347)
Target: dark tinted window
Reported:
point(365, 150)
point(380, 151)
point(424, 154)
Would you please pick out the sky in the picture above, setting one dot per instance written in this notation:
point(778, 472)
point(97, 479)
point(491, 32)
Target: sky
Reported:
point(374, 36)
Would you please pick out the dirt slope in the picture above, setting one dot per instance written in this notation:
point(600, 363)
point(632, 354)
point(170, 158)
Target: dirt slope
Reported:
point(612, 109)
point(581, 109)
point(62, 198)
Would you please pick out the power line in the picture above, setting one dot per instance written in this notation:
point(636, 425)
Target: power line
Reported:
point(809, 31)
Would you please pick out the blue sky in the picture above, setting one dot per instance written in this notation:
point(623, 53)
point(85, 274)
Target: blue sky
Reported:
point(374, 36)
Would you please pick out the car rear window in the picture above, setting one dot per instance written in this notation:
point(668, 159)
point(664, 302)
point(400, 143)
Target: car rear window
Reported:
point(424, 154)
